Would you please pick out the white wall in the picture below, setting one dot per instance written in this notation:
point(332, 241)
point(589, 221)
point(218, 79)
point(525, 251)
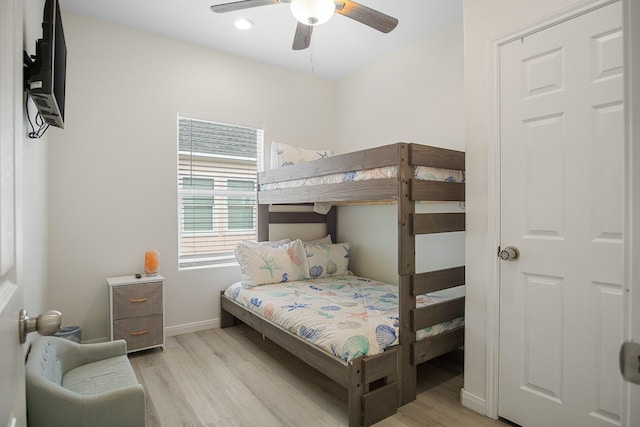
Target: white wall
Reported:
point(34, 185)
point(35, 226)
point(484, 21)
point(112, 170)
point(413, 95)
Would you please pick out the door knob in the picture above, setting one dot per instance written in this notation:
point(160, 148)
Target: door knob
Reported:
point(48, 323)
point(510, 253)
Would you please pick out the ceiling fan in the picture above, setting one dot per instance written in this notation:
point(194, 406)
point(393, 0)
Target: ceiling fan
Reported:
point(310, 13)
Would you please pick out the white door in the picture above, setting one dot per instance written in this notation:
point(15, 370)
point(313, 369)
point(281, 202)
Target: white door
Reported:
point(12, 396)
point(562, 192)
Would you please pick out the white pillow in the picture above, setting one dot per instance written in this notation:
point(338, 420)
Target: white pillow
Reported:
point(284, 155)
point(327, 259)
point(325, 239)
point(265, 264)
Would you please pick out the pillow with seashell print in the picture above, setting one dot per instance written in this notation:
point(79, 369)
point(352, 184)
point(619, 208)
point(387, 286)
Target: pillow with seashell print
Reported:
point(271, 244)
point(326, 259)
point(285, 155)
point(264, 264)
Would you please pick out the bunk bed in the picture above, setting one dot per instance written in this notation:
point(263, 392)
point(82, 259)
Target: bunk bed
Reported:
point(376, 385)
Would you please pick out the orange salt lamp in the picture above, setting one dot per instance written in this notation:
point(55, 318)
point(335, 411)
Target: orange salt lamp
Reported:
point(151, 262)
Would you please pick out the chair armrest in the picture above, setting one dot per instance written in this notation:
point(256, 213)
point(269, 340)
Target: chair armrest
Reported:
point(73, 354)
point(99, 351)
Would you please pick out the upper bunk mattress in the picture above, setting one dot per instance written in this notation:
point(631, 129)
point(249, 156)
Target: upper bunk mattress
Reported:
point(420, 172)
point(347, 316)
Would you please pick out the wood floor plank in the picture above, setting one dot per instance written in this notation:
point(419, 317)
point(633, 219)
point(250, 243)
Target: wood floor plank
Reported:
point(232, 377)
point(140, 361)
point(168, 401)
point(326, 393)
point(198, 377)
point(285, 399)
point(217, 384)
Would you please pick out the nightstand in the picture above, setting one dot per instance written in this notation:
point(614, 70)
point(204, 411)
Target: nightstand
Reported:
point(136, 311)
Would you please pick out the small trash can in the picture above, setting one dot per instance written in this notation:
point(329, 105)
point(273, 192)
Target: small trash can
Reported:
point(71, 333)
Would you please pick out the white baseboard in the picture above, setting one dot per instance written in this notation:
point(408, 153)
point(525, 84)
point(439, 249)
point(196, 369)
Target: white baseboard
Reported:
point(191, 327)
point(473, 402)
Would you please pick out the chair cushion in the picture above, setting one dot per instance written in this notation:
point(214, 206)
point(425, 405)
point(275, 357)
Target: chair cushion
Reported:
point(101, 376)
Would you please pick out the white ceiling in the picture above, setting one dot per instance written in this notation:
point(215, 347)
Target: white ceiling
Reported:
point(338, 47)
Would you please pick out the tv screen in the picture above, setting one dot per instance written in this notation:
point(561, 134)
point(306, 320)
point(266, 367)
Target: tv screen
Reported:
point(47, 73)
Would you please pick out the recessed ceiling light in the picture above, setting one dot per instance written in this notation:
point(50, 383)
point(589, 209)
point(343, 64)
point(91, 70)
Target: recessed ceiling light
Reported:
point(244, 24)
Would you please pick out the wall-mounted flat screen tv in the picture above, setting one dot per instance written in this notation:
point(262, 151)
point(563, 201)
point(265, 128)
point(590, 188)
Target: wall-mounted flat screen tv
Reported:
point(46, 74)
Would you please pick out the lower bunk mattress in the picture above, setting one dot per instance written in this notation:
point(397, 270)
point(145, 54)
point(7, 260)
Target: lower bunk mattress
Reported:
point(347, 316)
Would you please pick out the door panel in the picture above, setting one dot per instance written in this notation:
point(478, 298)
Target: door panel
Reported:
point(562, 187)
point(542, 338)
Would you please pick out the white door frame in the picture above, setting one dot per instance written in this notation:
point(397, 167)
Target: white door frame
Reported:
point(631, 332)
point(493, 196)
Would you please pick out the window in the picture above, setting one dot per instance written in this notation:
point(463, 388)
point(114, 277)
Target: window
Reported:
point(217, 166)
point(240, 204)
point(197, 208)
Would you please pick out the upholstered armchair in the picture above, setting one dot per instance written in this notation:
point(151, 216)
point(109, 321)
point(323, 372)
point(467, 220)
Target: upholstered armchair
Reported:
point(84, 385)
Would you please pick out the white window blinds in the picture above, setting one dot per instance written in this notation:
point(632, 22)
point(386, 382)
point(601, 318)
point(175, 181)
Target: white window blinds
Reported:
point(217, 167)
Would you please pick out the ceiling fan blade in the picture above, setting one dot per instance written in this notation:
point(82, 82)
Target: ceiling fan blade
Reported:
point(239, 5)
point(366, 15)
point(302, 38)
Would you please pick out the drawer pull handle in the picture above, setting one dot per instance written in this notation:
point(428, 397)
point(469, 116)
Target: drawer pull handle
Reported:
point(145, 331)
point(139, 300)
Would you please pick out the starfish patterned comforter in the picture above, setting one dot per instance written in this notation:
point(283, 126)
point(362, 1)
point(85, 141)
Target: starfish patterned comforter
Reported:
point(348, 316)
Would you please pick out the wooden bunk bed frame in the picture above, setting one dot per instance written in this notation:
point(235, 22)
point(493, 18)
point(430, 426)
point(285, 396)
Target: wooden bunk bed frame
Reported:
point(376, 385)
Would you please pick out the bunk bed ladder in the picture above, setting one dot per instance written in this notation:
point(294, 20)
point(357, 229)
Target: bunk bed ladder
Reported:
point(439, 344)
point(411, 224)
point(406, 268)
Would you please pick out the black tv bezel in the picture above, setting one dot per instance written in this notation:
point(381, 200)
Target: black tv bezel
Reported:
point(45, 76)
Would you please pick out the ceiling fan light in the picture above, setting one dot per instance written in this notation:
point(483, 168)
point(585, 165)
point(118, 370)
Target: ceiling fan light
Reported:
point(313, 12)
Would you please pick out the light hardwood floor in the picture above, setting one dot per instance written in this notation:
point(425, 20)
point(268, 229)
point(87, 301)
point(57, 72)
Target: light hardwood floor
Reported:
point(233, 378)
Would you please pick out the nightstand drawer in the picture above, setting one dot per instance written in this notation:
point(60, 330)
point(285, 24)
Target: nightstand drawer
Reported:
point(139, 332)
point(137, 300)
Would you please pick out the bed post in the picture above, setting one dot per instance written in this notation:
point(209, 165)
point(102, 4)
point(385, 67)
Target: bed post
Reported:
point(354, 392)
point(332, 220)
point(406, 268)
point(263, 223)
